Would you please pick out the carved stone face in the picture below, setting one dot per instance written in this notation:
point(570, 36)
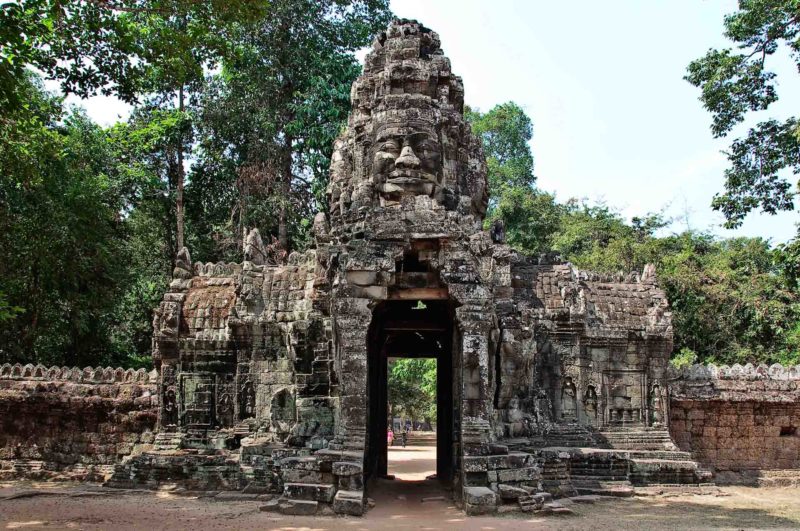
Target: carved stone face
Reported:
point(407, 160)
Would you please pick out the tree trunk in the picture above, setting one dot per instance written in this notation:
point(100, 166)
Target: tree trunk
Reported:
point(181, 177)
point(286, 177)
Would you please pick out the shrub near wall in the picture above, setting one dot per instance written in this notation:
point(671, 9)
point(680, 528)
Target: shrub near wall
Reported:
point(72, 423)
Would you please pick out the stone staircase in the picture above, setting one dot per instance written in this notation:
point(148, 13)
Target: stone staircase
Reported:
point(556, 478)
point(615, 460)
point(329, 476)
point(571, 436)
point(167, 441)
point(636, 439)
point(418, 438)
point(600, 473)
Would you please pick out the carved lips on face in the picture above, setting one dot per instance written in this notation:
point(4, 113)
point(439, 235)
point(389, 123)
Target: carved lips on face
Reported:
point(408, 165)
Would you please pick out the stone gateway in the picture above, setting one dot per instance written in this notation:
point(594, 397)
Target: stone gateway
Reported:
point(271, 378)
point(282, 367)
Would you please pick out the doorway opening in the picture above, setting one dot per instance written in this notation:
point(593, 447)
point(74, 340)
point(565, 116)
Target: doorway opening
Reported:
point(416, 337)
point(411, 434)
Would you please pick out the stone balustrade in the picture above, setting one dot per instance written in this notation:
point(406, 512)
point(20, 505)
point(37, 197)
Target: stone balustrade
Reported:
point(736, 372)
point(87, 375)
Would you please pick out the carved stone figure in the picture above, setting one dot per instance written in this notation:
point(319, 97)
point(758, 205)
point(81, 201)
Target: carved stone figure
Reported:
point(225, 409)
point(656, 405)
point(590, 405)
point(183, 264)
point(168, 319)
point(254, 250)
point(498, 231)
point(247, 401)
point(169, 408)
point(569, 402)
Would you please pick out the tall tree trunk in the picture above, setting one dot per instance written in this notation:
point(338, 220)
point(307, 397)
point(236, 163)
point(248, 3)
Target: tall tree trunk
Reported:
point(283, 230)
point(181, 176)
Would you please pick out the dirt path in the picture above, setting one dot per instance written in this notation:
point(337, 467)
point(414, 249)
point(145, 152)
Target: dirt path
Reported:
point(407, 503)
point(399, 505)
point(412, 463)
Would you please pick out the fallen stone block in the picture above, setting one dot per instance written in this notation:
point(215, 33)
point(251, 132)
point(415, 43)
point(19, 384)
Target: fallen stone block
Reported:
point(349, 502)
point(479, 500)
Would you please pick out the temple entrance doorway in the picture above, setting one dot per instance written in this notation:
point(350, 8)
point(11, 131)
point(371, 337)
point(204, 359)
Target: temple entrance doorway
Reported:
point(415, 336)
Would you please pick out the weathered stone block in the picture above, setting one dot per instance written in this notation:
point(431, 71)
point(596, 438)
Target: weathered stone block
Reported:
point(349, 502)
point(308, 491)
point(347, 468)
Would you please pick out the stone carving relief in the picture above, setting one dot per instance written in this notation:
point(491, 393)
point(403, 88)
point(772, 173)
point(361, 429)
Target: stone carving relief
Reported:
point(590, 405)
point(569, 400)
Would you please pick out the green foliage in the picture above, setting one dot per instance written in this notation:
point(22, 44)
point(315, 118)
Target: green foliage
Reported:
point(6, 310)
point(735, 83)
point(60, 233)
point(505, 131)
point(412, 388)
point(90, 218)
point(529, 215)
point(270, 117)
point(684, 358)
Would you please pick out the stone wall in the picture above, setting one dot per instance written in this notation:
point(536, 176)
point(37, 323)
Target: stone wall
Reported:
point(72, 423)
point(737, 419)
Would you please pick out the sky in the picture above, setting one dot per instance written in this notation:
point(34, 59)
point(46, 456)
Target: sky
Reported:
point(613, 119)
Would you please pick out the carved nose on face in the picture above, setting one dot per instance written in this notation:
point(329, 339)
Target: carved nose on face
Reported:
point(407, 159)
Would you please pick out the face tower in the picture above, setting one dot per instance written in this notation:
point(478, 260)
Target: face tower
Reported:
point(285, 365)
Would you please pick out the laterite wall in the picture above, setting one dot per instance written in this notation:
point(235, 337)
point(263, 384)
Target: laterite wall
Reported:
point(72, 423)
point(739, 418)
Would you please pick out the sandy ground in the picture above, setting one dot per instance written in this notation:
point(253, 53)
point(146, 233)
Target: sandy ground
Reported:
point(412, 463)
point(399, 504)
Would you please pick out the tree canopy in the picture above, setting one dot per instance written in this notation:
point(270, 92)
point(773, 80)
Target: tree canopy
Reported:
point(733, 300)
point(236, 105)
point(737, 82)
point(235, 108)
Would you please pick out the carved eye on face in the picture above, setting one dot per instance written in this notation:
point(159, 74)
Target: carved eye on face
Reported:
point(430, 155)
point(391, 147)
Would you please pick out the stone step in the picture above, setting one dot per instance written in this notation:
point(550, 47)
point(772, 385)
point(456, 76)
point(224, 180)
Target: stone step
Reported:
point(534, 502)
point(664, 471)
point(660, 454)
point(596, 486)
point(165, 441)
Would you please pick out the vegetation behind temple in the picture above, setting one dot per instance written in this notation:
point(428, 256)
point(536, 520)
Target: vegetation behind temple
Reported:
point(88, 215)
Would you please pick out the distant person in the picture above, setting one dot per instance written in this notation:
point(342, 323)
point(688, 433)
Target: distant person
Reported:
point(404, 438)
point(390, 437)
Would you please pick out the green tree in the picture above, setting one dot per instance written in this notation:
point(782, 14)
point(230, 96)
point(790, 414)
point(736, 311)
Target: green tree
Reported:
point(130, 49)
point(412, 388)
point(505, 132)
point(60, 233)
point(737, 82)
point(529, 215)
point(275, 110)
